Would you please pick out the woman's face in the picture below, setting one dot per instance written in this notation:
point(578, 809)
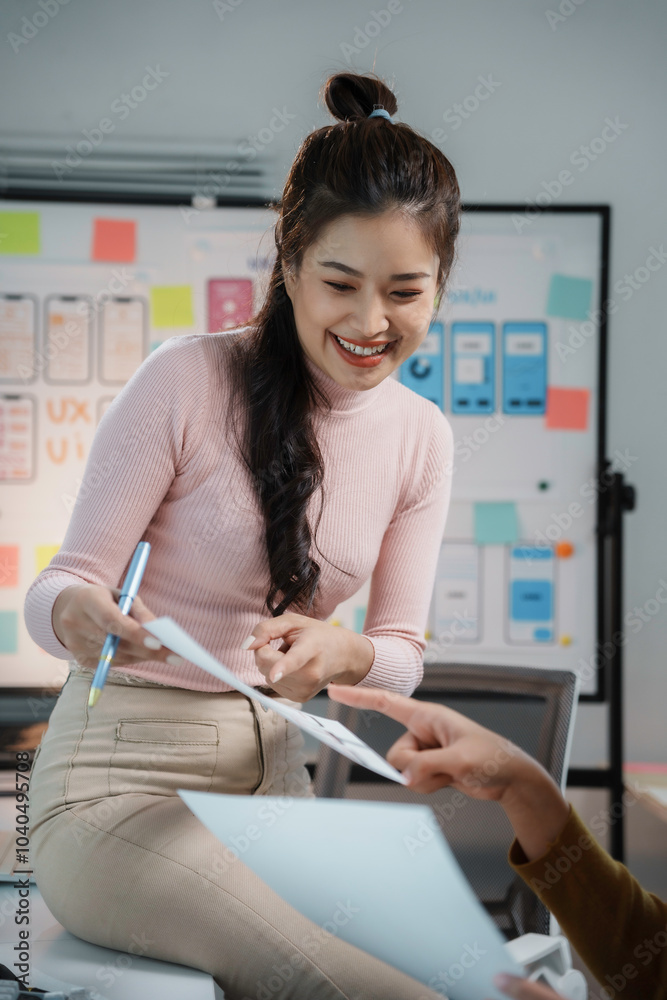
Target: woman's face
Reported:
point(369, 281)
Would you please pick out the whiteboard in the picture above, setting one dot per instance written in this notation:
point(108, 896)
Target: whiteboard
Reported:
point(75, 323)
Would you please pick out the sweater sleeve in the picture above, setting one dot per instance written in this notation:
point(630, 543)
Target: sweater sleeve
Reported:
point(404, 574)
point(143, 439)
point(618, 928)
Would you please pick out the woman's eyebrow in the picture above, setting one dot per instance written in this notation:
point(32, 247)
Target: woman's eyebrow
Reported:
point(357, 274)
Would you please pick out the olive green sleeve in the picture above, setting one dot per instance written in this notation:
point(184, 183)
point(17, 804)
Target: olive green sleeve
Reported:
point(618, 928)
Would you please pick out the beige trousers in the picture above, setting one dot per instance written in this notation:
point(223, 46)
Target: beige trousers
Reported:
point(122, 862)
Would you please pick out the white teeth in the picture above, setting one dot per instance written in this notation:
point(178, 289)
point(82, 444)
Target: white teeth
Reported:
point(365, 351)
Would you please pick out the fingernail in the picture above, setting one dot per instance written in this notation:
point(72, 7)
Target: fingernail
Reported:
point(152, 643)
point(277, 676)
point(175, 661)
point(502, 981)
point(247, 642)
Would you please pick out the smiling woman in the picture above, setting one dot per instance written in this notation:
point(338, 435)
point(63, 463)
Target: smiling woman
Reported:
point(365, 241)
point(233, 434)
point(371, 306)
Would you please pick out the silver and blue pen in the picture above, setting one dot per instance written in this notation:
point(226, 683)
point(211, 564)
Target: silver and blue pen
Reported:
point(127, 594)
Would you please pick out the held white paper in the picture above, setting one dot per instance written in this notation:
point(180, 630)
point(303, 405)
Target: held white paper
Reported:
point(328, 731)
point(379, 875)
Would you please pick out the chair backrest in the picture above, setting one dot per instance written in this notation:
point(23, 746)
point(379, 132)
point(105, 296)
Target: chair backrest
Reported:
point(532, 707)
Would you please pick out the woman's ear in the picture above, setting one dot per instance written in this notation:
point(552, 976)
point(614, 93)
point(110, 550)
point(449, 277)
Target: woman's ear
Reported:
point(289, 280)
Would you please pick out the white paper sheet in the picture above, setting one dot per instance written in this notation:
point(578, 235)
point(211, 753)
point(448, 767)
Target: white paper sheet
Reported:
point(328, 731)
point(379, 875)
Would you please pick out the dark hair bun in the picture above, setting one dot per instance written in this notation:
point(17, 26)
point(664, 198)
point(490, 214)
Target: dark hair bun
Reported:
point(351, 96)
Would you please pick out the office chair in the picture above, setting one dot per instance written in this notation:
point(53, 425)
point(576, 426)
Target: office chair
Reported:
point(534, 708)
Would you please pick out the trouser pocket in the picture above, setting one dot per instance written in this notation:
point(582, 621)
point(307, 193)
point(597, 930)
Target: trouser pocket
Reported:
point(153, 755)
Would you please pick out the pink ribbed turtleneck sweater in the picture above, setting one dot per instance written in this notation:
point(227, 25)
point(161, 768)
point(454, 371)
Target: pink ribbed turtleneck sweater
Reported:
point(161, 469)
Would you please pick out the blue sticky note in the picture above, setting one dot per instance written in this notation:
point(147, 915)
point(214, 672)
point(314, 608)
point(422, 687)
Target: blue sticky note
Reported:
point(569, 297)
point(9, 632)
point(496, 524)
point(532, 601)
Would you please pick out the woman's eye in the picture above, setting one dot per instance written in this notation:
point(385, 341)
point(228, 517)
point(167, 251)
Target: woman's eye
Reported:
point(343, 288)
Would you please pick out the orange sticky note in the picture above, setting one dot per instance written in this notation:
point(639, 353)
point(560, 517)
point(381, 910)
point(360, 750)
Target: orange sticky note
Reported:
point(114, 239)
point(9, 565)
point(567, 409)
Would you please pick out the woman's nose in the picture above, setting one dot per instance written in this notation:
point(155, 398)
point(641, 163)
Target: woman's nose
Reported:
point(369, 315)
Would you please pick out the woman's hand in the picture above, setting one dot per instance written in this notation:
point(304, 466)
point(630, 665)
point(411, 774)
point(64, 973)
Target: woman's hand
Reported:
point(84, 613)
point(443, 747)
point(312, 653)
point(524, 989)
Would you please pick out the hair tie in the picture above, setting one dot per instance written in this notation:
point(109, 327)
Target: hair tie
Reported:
point(380, 112)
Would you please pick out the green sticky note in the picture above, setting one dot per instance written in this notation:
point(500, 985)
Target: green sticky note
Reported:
point(19, 232)
point(171, 305)
point(569, 297)
point(496, 524)
point(9, 632)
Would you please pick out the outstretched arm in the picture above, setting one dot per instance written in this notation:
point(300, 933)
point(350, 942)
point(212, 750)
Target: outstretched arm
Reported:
point(443, 747)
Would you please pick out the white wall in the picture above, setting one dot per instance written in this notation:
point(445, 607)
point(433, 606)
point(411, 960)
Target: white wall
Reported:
point(554, 86)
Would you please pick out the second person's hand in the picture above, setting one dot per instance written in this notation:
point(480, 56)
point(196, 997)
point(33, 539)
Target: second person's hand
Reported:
point(82, 616)
point(443, 747)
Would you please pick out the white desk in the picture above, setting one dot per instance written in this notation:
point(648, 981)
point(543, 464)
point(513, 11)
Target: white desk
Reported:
point(61, 961)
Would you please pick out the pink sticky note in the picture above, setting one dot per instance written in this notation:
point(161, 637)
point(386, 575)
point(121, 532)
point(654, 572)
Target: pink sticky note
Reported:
point(114, 239)
point(567, 409)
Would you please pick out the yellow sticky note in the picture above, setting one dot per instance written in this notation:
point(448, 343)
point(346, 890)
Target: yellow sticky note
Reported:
point(19, 232)
point(171, 305)
point(43, 556)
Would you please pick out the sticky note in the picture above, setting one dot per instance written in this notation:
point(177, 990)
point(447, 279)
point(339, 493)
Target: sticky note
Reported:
point(359, 619)
point(171, 305)
point(9, 565)
point(567, 409)
point(114, 239)
point(9, 632)
point(43, 556)
point(496, 524)
point(19, 232)
point(569, 297)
